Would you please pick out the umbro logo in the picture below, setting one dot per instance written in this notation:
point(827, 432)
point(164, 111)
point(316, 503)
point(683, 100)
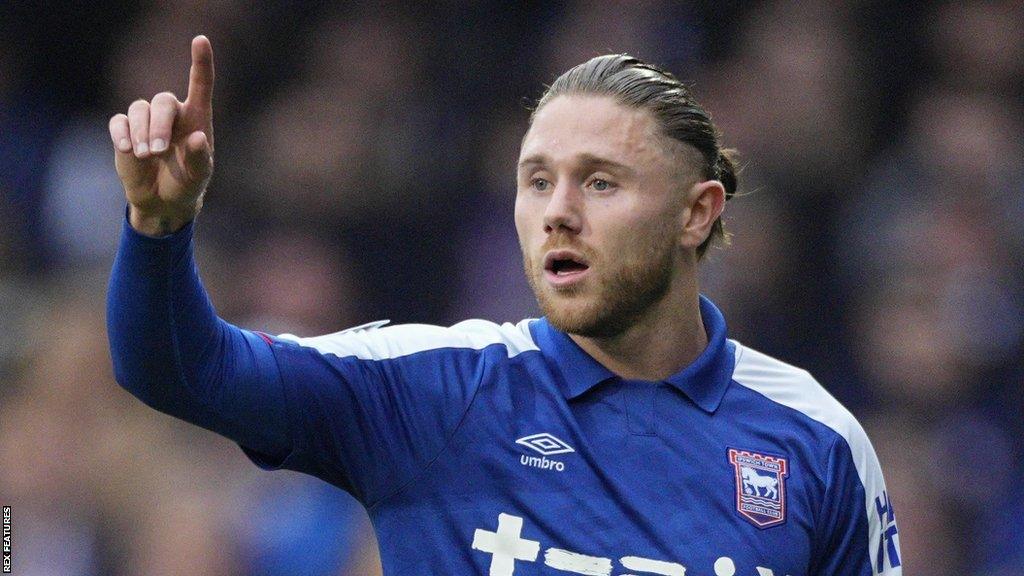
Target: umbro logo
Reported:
point(546, 445)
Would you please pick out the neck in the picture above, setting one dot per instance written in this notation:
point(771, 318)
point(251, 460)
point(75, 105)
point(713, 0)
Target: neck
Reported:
point(668, 337)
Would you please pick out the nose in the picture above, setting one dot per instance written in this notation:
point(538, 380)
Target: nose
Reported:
point(564, 210)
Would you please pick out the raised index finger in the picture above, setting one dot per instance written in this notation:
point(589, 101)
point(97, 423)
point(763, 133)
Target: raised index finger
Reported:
point(200, 76)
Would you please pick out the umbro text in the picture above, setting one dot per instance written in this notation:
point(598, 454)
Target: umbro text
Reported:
point(541, 462)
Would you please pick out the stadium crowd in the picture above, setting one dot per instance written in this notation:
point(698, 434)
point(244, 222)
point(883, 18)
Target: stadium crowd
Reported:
point(365, 170)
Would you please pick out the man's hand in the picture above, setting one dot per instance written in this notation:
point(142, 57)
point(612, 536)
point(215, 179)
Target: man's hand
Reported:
point(164, 150)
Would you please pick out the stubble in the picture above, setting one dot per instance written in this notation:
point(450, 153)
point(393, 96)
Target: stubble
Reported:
point(624, 290)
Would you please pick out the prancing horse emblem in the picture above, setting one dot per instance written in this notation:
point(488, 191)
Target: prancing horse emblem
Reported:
point(760, 487)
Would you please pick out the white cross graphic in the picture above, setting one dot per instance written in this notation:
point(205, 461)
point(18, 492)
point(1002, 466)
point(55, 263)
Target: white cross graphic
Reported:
point(505, 545)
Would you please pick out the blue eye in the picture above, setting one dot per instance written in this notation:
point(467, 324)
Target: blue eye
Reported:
point(601, 185)
point(540, 184)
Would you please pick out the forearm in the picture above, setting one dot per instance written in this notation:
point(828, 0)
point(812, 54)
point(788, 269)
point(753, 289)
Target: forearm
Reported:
point(171, 350)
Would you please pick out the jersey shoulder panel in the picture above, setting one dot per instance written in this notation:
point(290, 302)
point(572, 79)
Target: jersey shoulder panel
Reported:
point(797, 389)
point(375, 341)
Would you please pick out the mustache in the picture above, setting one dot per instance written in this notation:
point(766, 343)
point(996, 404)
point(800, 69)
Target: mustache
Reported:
point(564, 242)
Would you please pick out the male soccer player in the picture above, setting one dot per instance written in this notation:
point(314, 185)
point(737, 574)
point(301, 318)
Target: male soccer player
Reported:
point(620, 433)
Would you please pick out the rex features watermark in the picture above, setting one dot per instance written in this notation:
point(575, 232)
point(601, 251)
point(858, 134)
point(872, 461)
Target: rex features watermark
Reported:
point(7, 540)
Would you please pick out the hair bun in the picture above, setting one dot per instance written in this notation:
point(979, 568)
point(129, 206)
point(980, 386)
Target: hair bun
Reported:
point(726, 169)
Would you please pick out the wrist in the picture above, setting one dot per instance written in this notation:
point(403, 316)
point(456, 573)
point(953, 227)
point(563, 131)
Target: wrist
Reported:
point(156, 225)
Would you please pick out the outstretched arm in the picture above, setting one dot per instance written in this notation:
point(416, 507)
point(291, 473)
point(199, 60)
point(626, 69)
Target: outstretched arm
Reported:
point(167, 344)
point(367, 410)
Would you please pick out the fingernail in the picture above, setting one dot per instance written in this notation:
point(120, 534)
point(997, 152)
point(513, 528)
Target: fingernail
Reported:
point(141, 148)
point(124, 145)
point(159, 145)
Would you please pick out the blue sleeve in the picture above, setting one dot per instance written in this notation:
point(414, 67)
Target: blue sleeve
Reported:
point(170, 350)
point(856, 539)
point(370, 417)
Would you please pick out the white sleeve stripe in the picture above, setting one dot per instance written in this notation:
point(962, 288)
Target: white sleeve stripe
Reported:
point(372, 342)
point(797, 389)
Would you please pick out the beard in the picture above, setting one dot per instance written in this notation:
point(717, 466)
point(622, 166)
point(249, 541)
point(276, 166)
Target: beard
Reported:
point(621, 296)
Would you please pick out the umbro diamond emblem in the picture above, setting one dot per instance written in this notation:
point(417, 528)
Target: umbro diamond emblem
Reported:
point(545, 444)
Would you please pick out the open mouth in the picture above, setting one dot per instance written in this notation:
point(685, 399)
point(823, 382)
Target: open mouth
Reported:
point(563, 266)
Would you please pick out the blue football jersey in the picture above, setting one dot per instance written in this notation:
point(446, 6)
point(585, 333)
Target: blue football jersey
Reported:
point(506, 449)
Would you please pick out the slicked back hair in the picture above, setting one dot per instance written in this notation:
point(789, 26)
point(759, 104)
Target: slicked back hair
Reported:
point(636, 84)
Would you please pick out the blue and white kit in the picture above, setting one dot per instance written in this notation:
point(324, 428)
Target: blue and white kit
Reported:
point(505, 449)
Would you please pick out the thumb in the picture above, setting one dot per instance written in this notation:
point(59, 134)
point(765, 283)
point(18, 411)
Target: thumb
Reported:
point(198, 156)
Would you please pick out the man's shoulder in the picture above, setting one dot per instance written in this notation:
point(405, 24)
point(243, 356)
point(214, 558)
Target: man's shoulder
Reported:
point(851, 456)
point(797, 389)
point(379, 341)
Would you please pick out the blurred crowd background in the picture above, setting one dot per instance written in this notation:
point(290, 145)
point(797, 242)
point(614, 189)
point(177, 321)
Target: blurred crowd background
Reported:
point(365, 170)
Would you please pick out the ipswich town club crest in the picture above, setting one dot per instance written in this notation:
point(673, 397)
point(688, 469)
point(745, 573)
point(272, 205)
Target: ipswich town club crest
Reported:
point(760, 487)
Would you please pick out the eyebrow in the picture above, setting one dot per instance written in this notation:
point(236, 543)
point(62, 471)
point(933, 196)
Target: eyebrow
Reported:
point(585, 159)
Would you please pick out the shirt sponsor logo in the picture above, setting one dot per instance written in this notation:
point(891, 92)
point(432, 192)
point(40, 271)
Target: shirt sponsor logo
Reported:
point(546, 445)
point(508, 547)
point(760, 487)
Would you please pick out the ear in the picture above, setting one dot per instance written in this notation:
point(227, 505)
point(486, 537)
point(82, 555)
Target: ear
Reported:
point(704, 204)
